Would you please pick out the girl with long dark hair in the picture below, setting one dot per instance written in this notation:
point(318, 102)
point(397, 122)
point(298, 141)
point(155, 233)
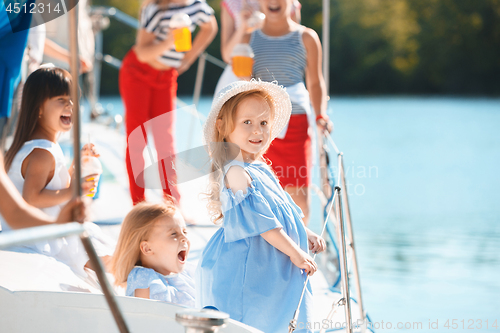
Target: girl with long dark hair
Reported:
point(36, 165)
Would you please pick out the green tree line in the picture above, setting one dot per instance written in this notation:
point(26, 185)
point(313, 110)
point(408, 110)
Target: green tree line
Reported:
point(376, 46)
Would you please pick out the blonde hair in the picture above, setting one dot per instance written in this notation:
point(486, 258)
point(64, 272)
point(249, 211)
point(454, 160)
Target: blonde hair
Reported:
point(136, 228)
point(221, 152)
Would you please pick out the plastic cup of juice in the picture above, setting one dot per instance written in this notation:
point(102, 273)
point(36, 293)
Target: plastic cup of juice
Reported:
point(180, 23)
point(91, 166)
point(242, 60)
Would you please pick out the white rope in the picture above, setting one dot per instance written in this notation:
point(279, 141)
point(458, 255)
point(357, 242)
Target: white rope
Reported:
point(293, 323)
point(335, 306)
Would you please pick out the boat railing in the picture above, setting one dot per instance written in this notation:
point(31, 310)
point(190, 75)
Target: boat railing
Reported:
point(36, 234)
point(342, 222)
point(339, 204)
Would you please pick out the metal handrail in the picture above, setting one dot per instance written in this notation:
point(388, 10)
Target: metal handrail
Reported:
point(132, 22)
point(343, 262)
point(348, 222)
point(115, 13)
point(36, 234)
point(350, 233)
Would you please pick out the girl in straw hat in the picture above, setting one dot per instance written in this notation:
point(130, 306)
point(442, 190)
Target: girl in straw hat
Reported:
point(291, 54)
point(255, 265)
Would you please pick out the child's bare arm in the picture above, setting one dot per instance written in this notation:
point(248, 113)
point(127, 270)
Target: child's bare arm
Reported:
point(15, 210)
point(142, 293)
point(38, 170)
point(280, 240)
point(316, 243)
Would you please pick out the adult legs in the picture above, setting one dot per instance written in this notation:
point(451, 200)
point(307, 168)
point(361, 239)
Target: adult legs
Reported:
point(136, 96)
point(162, 125)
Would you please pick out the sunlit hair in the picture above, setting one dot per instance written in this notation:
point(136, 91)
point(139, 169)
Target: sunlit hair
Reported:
point(136, 227)
point(221, 152)
point(41, 85)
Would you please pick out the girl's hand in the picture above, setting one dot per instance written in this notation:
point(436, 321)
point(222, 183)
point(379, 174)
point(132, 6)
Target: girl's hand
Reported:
point(304, 261)
point(89, 184)
point(85, 66)
point(73, 211)
point(90, 150)
point(316, 243)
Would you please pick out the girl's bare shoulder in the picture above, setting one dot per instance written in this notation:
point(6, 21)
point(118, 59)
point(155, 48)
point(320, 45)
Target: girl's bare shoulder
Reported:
point(237, 179)
point(310, 37)
point(38, 161)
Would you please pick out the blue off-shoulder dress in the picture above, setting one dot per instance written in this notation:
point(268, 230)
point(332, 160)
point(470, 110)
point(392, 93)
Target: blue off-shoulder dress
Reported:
point(243, 275)
point(175, 288)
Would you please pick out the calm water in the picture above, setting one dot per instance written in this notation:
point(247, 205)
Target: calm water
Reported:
point(424, 182)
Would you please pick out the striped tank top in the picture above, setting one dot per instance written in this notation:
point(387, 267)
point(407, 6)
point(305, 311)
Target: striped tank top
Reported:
point(281, 59)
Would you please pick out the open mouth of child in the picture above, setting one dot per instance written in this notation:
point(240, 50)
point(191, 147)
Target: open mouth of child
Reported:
point(66, 120)
point(182, 255)
point(255, 142)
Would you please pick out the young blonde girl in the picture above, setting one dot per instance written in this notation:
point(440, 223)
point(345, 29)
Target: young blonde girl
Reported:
point(291, 54)
point(255, 265)
point(36, 165)
point(151, 254)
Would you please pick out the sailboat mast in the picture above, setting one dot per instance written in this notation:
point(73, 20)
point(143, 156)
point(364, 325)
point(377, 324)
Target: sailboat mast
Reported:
point(326, 44)
point(73, 48)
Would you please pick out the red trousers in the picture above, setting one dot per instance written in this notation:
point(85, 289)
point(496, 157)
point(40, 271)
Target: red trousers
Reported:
point(149, 98)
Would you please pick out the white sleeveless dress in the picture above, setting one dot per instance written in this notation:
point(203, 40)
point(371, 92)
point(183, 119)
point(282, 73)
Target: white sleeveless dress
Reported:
point(68, 250)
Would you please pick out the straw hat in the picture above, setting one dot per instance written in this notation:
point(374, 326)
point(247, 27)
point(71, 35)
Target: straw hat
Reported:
point(280, 98)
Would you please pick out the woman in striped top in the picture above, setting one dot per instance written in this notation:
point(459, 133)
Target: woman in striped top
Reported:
point(234, 28)
point(290, 53)
point(148, 85)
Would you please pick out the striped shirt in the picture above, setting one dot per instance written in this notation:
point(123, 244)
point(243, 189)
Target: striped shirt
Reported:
point(156, 19)
point(282, 59)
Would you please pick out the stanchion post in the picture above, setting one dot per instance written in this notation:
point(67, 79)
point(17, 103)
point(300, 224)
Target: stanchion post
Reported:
point(343, 263)
point(103, 281)
point(73, 49)
point(347, 212)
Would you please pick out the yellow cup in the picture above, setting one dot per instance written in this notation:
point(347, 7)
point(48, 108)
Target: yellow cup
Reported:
point(182, 39)
point(242, 66)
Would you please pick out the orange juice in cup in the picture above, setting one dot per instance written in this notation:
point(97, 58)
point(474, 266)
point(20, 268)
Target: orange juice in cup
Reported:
point(179, 23)
point(242, 60)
